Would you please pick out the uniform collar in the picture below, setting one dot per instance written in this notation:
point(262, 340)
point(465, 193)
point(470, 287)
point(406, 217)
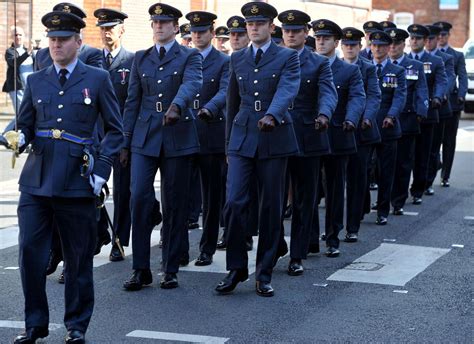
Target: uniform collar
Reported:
point(399, 60)
point(70, 67)
point(446, 47)
point(383, 63)
point(167, 46)
point(263, 47)
point(114, 52)
point(205, 53)
point(356, 61)
point(434, 51)
point(300, 51)
point(420, 54)
point(332, 59)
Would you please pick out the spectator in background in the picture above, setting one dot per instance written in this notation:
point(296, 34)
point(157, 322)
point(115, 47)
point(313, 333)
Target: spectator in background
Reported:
point(24, 67)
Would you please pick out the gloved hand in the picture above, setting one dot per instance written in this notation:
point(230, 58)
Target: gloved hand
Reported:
point(14, 139)
point(124, 157)
point(96, 182)
point(387, 123)
point(366, 124)
point(172, 115)
point(348, 126)
point(435, 103)
point(204, 114)
point(322, 123)
point(21, 140)
point(267, 123)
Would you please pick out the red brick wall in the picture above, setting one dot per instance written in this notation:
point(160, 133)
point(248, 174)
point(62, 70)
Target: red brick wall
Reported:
point(428, 12)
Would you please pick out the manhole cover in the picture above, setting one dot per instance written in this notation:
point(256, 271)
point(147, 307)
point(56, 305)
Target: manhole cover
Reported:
point(364, 266)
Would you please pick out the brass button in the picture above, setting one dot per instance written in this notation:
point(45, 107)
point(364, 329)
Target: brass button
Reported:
point(143, 75)
point(255, 81)
point(161, 68)
point(256, 94)
point(197, 95)
point(159, 81)
point(186, 117)
point(256, 70)
point(61, 93)
point(160, 95)
point(175, 73)
point(282, 121)
point(212, 80)
point(273, 75)
point(59, 120)
point(60, 106)
point(39, 101)
point(240, 78)
point(308, 81)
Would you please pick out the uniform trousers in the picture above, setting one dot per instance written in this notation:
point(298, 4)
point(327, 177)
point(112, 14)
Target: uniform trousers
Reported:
point(403, 168)
point(270, 175)
point(175, 178)
point(76, 221)
point(449, 144)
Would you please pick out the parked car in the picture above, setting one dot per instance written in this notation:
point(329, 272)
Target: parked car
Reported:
point(469, 56)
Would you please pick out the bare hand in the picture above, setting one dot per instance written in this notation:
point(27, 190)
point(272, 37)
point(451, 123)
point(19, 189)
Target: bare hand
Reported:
point(267, 123)
point(387, 123)
point(322, 123)
point(172, 115)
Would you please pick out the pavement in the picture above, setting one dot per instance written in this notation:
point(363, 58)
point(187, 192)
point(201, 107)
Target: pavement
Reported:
point(408, 282)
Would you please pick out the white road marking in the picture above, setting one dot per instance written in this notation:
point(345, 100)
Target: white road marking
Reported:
point(457, 246)
point(322, 285)
point(8, 237)
point(391, 264)
point(407, 213)
point(179, 337)
point(21, 325)
point(400, 291)
point(470, 218)
point(219, 261)
point(389, 240)
point(12, 268)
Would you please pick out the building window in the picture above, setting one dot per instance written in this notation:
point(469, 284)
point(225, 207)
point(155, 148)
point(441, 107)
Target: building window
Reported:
point(403, 19)
point(448, 4)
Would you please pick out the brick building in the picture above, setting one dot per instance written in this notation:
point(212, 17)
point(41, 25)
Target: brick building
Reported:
point(404, 13)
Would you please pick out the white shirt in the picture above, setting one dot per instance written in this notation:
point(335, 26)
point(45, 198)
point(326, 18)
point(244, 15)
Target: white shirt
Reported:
point(114, 52)
point(263, 47)
point(70, 68)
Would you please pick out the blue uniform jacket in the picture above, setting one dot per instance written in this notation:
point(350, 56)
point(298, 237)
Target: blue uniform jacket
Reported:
point(119, 72)
point(417, 102)
point(437, 82)
point(350, 106)
point(154, 85)
point(364, 54)
point(53, 166)
point(215, 74)
point(87, 54)
point(460, 88)
point(255, 91)
point(372, 103)
point(317, 95)
point(394, 93)
point(445, 111)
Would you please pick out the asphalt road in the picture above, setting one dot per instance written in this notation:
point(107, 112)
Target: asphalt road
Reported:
point(400, 304)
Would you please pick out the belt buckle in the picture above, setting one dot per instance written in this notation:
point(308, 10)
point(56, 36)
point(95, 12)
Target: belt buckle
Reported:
point(57, 134)
point(196, 104)
point(258, 105)
point(159, 107)
point(291, 107)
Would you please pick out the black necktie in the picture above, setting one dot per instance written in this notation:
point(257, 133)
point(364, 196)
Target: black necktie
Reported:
point(162, 52)
point(417, 57)
point(258, 57)
point(443, 50)
point(379, 70)
point(110, 59)
point(395, 62)
point(369, 54)
point(62, 76)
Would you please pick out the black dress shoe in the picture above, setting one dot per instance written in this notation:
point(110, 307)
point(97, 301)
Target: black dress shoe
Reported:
point(115, 254)
point(264, 289)
point(313, 248)
point(249, 244)
point(169, 281)
point(374, 206)
point(429, 191)
point(233, 278)
point(288, 212)
point(221, 244)
point(373, 186)
point(417, 200)
point(445, 183)
point(139, 278)
point(75, 337)
point(398, 211)
point(351, 237)
point(61, 277)
point(295, 268)
point(31, 335)
point(203, 259)
point(54, 259)
point(193, 225)
point(332, 252)
point(381, 221)
point(102, 242)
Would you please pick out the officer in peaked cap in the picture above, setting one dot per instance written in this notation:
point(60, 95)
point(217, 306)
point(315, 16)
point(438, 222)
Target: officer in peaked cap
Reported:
point(457, 98)
point(445, 111)
point(386, 24)
point(87, 54)
point(51, 184)
point(393, 86)
point(222, 37)
point(369, 26)
point(350, 107)
point(315, 102)
point(239, 38)
point(415, 110)
point(367, 135)
point(160, 133)
point(277, 35)
point(118, 62)
point(208, 106)
point(263, 83)
point(185, 35)
point(437, 81)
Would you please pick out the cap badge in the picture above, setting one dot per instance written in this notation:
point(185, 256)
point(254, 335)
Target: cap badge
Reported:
point(66, 9)
point(290, 16)
point(158, 10)
point(235, 23)
point(55, 20)
point(254, 9)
